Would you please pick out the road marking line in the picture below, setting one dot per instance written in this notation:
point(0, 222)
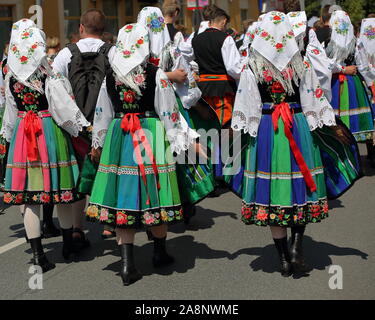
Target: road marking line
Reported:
point(12, 245)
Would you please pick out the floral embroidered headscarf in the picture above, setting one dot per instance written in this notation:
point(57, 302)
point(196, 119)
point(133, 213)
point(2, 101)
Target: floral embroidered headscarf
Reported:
point(248, 38)
point(367, 38)
point(27, 51)
point(152, 19)
point(132, 50)
point(298, 20)
point(274, 51)
point(342, 43)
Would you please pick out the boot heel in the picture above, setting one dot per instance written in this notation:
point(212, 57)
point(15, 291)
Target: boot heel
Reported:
point(39, 257)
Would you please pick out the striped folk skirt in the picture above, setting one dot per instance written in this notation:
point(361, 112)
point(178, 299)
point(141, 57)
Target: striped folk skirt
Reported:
point(126, 196)
point(44, 171)
point(351, 103)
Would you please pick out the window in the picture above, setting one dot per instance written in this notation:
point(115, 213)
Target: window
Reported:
point(110, 9)
point(6, 21)
point(72, 16)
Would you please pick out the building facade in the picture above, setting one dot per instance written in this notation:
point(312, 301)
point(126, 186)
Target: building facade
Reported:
point(61, 17)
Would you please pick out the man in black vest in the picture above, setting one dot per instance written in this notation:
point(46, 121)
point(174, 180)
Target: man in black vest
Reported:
point(219, 65)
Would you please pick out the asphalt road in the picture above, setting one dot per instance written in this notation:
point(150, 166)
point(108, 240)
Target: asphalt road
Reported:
point(217, 257)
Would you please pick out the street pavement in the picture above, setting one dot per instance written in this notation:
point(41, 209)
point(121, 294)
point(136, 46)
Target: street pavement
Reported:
point(217, 257)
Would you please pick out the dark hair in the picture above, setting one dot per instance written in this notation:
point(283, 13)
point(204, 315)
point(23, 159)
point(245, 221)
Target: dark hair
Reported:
point(291, 5)
point(108, 37)
point(94, 22)
point(246, 24)
point(218, 14)
point(325, 13)
point(207, 11)
point(371, 15)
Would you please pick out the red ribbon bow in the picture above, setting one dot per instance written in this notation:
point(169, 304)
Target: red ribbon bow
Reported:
point(342, 77)
point(283, 110)
point(32, 130)
point(130, 123)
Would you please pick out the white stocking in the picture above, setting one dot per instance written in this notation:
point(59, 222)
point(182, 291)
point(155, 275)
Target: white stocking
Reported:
point(31, 220)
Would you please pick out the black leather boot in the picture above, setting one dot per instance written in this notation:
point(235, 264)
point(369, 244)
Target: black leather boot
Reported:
point(282, 249)
point(69, 246)
point(48, 228)
point(80, 242)
point(370, 153)
point(296, 251)
point(129, 274)
point(189, 212)
point(39, 257)
point(161, 258)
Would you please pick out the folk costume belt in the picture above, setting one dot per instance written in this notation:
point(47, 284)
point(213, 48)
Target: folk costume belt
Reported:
point(283, 110)
point(130, 123)
point(33, 129)
point(215, 77)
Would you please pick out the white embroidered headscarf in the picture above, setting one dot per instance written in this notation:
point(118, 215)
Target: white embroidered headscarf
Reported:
point(298, 20)
point(132, 50)
point(343, 40)
point(275, 50)
point(367, 38)
point(27, 52)
point(152, 19)
point(248, 38)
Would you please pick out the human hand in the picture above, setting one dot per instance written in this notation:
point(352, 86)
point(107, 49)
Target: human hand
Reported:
point(350, 70)
point(95, 154)
point(179, 76)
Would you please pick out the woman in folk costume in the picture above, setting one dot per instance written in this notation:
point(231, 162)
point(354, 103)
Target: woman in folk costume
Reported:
point(278, 103)
point(248, 39)
point(39, 118)
point(349, 96)
point(365, 53)
point(196, 180)
point(138, 123)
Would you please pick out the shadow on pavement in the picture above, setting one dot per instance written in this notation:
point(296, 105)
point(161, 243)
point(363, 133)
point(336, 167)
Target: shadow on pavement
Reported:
point(317, 255)
point(337, 203)
point(203, 219)
point(185, 259)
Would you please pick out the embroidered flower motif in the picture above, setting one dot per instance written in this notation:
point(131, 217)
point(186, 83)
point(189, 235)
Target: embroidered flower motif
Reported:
point(267, 76)
point(262, 216)
point(277, 87)
point(149, 218)
point(129, 96)
point(174, 116)
point(155, 23)
point(67, 196)
point(27, 34)
point(288, 74)
point(369, 32)
point(164, 215)
point(341, 27)
point(92, 211)
point(129, 28)
point(8, 198)
point(56, 198)
point(164, 83)
point(126, 53)
point(121, 218)
point(325, 208)
point(318, 92)
point(315, 51)
point(45, 198)
point(3, 149)
point(24, 59)
point(246, 212)
point(279, 46)
point(139, 79)
point(18, 87)
point(19, 198)
point(29, 98)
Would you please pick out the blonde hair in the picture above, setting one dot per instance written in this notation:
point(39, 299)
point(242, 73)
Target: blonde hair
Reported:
point(53, 42)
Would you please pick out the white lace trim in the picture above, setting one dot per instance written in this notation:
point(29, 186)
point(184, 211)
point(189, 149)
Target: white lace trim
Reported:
point(181, 140)
point(99, 138)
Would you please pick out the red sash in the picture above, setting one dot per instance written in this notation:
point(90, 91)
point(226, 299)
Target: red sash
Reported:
point(130, 123)
point(283, 110)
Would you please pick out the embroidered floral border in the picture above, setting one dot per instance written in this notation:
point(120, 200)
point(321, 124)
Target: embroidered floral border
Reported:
point(134, 219)
point(41, 197)
point(284, 217)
